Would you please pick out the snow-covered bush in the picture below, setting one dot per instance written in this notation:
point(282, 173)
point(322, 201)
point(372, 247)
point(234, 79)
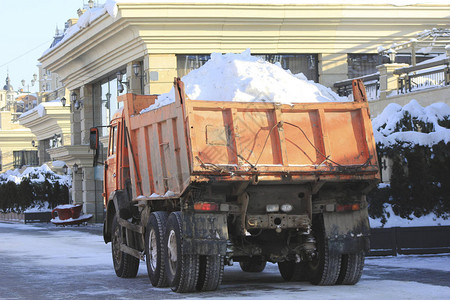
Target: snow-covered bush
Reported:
point(417, 142)
point(34, 188)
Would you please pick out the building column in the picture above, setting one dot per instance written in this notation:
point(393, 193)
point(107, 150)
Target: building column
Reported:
point(135, 82)
point(160, 70)
point(77, 196)
point(388, 81)
point(91, 203)
point(332, 68)
point(75, 121)
point(87, 113)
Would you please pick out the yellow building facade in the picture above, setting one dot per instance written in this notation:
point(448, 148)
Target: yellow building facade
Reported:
point(167, 40)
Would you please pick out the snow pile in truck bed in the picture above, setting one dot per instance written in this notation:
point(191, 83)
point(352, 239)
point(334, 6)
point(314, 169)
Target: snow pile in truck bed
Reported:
point(246, 78)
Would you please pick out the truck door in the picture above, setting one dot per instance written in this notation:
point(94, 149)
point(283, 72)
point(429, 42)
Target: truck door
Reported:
point(110, 180)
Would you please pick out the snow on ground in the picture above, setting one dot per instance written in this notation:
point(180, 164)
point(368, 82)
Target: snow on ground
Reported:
point(70, 262)
point(246, 78)
point(57, 248)
point(439, 262)
point(396, 221)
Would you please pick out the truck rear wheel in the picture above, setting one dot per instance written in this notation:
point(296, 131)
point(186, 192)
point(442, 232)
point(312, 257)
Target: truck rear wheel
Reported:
point(125, 265)
point(154, 248)
point(210, 272)
point(292, 271)
point(255, 265)
point(181, 269)
point(325, 266)
point(351, 268)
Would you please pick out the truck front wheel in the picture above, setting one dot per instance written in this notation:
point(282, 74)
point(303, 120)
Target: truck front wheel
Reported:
point(154, 248)
point(181, 269)
point(125, 265)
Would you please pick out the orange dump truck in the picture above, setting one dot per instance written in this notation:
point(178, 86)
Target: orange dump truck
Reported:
point(196, 185)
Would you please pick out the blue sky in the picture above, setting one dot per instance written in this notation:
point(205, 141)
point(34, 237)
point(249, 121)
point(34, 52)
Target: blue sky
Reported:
point(27, 30)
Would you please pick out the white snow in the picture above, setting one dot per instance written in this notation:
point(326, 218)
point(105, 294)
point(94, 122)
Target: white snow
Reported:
point(284, 2)
point(66, 253)
point(86, 19)
point(36, 175)
point(66, 206)
point(67, 221)
point(44, 207)
point(41, 108)
point(425, 262)
point(385, 123)
point(246, 78)
point(396, 221)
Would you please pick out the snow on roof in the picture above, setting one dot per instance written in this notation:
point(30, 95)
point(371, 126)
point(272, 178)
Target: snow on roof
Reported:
point(385, 125)
point(246, 78)
point(86, 19)
point(41, 108)
point(283, 2)
point(110, 7)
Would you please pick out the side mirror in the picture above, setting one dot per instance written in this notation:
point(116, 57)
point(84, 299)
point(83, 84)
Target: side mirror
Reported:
point(93, 138)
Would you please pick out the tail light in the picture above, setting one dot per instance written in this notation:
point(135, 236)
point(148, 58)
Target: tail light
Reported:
point(348, 207)
point(206, 206)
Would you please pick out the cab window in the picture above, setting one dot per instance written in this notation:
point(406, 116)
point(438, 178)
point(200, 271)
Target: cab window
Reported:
point(113, 140)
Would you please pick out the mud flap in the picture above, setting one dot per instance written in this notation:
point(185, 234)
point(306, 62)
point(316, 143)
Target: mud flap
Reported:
point(204, 234)
point(347, 232)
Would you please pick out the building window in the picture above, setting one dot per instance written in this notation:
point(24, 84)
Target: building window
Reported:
point(405, 58)
point(362, 64)
point(105, 102)
point(296, 63)
point(25, 158)
point(187, 63)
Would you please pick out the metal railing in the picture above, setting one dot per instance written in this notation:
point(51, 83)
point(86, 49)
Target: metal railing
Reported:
point(371, 82)
point(423, 76)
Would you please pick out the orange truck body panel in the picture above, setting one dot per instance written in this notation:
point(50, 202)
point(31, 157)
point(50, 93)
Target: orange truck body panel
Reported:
point(192, 141)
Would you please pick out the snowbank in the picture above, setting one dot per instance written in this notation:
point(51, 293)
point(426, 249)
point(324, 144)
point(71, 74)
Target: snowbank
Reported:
point(246, 78)
point(36, 175)
point(396, 221)
point(385, 125)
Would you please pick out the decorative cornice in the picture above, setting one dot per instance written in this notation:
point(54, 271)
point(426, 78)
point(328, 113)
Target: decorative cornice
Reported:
point(107, 44)
point(56, 119)
point(79, 154)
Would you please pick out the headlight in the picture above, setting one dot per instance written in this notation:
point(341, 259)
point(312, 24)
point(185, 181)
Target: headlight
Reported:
point(272, 207)
point(286, 207)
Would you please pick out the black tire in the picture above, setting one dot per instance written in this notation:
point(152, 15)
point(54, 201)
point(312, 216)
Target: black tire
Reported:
point(210, 272)
point(352, 266)
point(181, 269)
point(125, 265)
point(255, 265)
point(325, 267)
point(155, 248)
point(292, 271)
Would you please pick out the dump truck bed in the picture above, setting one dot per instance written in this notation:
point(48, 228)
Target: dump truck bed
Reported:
point(210, 141)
